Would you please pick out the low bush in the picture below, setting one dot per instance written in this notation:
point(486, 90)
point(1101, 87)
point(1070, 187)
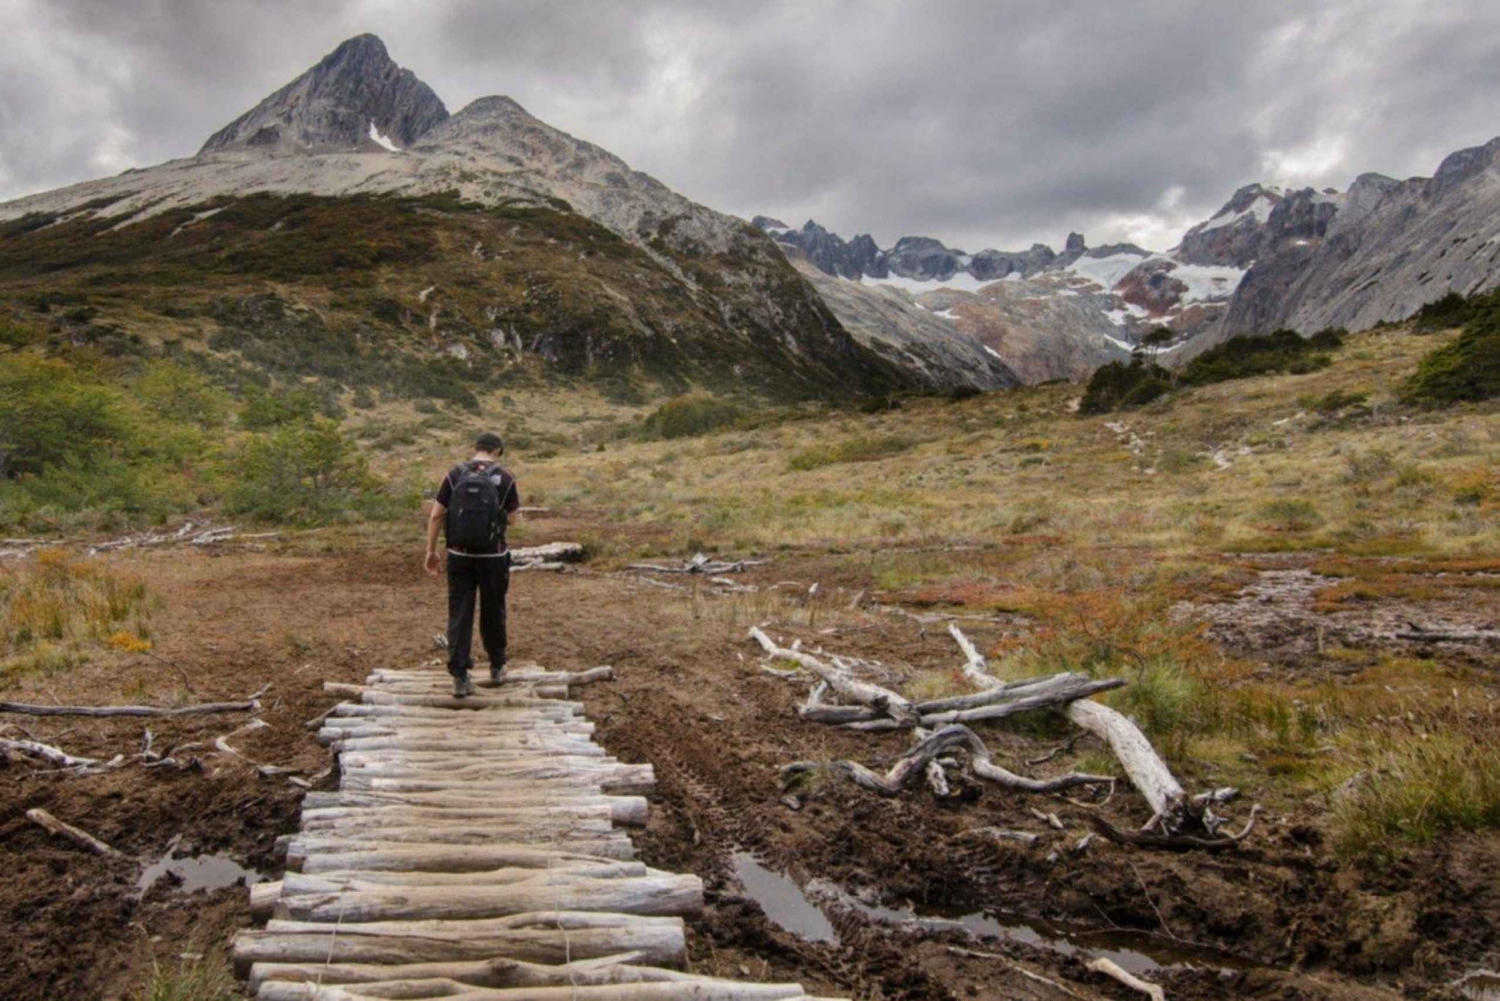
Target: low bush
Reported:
point(304, 473)
point(690, 416)
point(1282, 351)
point(859, 448)
point(1122, 386)
point(1290, 515)
point(1467, 369)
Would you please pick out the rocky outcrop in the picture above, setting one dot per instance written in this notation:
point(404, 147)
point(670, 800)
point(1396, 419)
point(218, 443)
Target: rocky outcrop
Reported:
point(1387, 248)
point(893, 324)
point(353, 93)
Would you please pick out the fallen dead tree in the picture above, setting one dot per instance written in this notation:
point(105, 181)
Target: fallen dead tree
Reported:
point(252, 704)
point(1177, 822)
point(552, 556)
point(189, 534)
point(78, 836)
point(912, 767)
point(699, 564)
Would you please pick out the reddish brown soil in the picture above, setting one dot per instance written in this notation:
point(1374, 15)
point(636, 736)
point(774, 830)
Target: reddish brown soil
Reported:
point(690, 698)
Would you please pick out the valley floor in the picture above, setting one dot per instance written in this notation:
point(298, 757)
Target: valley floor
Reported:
point(1304, 607)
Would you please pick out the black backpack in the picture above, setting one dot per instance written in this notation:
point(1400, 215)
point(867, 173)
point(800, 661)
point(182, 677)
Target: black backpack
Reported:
point(476, 520)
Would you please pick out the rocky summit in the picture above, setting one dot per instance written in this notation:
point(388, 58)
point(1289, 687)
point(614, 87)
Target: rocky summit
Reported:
point(356, 95)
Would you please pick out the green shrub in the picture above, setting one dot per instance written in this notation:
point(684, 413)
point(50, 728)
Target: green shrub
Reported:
point(1452, 310)
point(1241, 357)
point(48, 413)
point(264, 409)
point(179, 394)
point(303, 473)
point(690, 416)
point(1466, 370)
point(859, 448)
point(1120, 385)
point(1291, 515)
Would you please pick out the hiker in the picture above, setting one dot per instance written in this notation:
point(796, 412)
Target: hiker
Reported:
point(473, 506)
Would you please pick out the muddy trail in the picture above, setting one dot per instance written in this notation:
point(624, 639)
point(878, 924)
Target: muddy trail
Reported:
point(849, 893)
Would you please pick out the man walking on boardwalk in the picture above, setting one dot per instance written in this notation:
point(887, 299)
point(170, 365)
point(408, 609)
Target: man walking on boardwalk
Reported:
point(473, 506)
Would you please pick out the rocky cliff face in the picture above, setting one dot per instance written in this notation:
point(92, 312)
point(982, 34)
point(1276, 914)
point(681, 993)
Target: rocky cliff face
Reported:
point(1386, 248)
point(353, 95)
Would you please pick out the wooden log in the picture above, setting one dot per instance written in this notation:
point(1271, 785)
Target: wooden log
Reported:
point(846, 685)
point(503, 776)
point(263, 897)
point(79, 837)
point(998, 691)
point(976, 668)
point(523, 832)
point(1113, 970)
point(687, 990)
point(294, 883)
point(311, 855)
point(248, 705)
point(1057, 691)
point(458, 742)
point(631, 811)
point(651, 895)
point(494, 794)
point(378, 697)
point(467, 723)
point(1142, 765)
point(512, 676)
point(621, 807)
point(458, 858)
point(564, 937)
point(553, 708)
point(46, 752)
point(617, 969)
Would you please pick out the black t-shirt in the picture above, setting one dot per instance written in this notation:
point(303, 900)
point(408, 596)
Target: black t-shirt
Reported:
point(510, 496)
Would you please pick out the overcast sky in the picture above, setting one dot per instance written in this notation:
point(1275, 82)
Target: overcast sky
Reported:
point(981, 122)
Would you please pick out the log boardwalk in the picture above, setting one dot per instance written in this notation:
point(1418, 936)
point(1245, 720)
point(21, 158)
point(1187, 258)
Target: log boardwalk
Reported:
point(476, 848)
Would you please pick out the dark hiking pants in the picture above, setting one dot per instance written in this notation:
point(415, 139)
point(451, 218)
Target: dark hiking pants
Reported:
point(482, 580)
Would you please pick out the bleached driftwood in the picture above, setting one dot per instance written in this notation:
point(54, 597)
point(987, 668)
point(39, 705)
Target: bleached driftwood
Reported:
point(865, 693)
point(1113, 970)
point(699, 564)
point(976, 668)
point(81, 838)
point(914, 764)
point(252, 704)
point(46, 752)
point(533, 557)
point(1142, 765)
point(1063, 689)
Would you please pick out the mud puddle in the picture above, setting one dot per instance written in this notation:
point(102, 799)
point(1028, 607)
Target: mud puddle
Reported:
point(196, 872)
point(801, 912)
point(783, 901)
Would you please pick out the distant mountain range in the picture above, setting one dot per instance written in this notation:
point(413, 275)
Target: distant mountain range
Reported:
point(527, 253)
point(1270, 258)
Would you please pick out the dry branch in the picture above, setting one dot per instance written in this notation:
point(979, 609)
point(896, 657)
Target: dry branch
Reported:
point(252, 704)
point(81, 838)
point(914, 764)
point(865, 693)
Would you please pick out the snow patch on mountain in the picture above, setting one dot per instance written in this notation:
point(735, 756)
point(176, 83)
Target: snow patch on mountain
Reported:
point(380, 139)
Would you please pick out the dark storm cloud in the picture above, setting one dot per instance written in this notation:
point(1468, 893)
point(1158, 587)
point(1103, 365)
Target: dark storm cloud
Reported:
point(985, 123)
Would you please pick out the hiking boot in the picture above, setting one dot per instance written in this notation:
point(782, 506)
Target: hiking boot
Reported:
point(497, 671)
point(462, 686)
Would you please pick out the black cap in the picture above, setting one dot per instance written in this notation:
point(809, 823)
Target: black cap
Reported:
point(489, 441)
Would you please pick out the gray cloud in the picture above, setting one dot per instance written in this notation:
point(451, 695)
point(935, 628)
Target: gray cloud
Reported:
point(985, 123)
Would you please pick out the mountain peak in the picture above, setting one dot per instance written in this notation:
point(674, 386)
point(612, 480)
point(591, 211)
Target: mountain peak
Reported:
point(334, 105)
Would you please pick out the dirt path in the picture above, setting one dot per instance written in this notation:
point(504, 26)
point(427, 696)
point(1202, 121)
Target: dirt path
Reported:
point(690, 699)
